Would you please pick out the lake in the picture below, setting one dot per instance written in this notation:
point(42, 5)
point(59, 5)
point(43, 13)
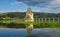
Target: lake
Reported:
point(37, 32)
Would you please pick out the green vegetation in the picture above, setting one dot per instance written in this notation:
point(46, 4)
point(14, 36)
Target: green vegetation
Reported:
point(36, 15)
point(9, 20)
point(17, 24)
point(43, 24)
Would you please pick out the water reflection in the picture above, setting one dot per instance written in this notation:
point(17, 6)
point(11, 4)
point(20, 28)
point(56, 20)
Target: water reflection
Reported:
point(38, 35)
point(45, 32)
point(42, 32)
point(29, 28)
point(43, 35)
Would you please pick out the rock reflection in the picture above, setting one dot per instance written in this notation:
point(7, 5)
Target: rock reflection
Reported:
point(29, 28)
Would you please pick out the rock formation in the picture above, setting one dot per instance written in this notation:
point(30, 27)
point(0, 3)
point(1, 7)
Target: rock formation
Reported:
point(29, 18)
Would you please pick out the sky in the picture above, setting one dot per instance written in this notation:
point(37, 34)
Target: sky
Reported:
point(50, 6)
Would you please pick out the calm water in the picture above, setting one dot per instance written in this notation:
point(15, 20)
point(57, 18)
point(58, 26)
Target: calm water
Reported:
point(38, 32)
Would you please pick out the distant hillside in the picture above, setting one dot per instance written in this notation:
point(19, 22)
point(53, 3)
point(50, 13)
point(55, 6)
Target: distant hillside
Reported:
point(36, 15)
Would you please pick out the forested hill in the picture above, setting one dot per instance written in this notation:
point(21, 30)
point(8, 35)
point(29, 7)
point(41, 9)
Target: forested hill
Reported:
point(36, 15)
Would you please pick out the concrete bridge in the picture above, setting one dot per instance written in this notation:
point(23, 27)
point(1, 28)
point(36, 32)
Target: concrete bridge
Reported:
point(47, 19)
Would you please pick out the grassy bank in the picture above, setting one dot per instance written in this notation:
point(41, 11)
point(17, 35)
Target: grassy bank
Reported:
point(42, 24)
point(21, 24)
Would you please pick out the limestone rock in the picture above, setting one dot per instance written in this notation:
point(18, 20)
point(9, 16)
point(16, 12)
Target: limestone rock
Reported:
point(29, 15)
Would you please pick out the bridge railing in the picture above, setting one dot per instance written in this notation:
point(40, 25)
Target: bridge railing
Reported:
point(47, 19)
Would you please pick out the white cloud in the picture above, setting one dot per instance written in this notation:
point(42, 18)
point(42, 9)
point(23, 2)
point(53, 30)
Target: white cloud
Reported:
point(54, 6)
point(56, 2)
point(17, 3)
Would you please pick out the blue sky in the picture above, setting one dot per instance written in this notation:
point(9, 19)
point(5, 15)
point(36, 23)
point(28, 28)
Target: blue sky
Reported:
point(51, 6)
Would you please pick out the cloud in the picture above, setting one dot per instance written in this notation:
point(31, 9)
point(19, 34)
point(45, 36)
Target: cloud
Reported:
point(56, 2)
point(17, 3)
point(40, 3)
point(53, 5)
